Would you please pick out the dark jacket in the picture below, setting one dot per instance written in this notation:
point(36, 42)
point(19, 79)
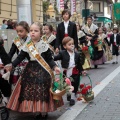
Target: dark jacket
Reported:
point(72, 32)
point(65, 58)
point(4, 56)
point(117, 39)
point(14, 50)
point(46, 55)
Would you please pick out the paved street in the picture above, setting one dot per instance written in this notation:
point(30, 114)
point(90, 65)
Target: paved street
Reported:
point(104, 107)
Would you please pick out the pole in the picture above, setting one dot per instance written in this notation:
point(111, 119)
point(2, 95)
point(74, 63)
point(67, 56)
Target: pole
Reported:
point(85, 1)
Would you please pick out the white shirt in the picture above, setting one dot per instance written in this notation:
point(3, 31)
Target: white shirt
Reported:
point(115, 37)
point(66, 26)
point(71, 64)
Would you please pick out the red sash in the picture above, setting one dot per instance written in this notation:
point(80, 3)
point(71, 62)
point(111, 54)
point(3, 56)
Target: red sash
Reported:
point(66, 35)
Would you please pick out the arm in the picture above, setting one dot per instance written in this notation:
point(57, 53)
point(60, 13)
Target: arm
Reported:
point(49, 59)
point(58, 57)
point(82, 40)
point(75, 36)
point(13, 49)
point(106, 40)
point(4, 56)
point(20, 58)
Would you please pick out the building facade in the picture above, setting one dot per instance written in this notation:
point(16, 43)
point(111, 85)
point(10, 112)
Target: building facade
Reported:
point(8, 10)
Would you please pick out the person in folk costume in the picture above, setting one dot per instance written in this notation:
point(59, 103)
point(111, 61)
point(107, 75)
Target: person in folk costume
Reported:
point(5, 87)
point(115, 42)
point(82, 43)
point(22, 29)
point(49, 37)
point(109, 33)
point(32, 92)
point(91, 31)
point(64, 29)
point(70, 62)
point(105, 43)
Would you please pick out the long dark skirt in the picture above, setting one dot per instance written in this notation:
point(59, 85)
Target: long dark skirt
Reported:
point(32, 92)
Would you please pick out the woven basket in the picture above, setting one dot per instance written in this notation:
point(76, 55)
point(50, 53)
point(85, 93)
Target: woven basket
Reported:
point(89, 97)
point(57, 96)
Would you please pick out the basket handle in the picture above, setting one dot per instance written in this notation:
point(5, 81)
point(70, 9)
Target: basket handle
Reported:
point(88, 77)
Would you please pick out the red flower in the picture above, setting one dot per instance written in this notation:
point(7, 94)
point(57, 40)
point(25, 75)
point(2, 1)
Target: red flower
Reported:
point(89, 87)
point(84, 91)
point(85, 48)
point(96, 42)
point(82, 85)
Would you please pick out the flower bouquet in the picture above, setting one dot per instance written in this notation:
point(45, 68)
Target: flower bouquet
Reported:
point(98, 43)
point(85, 91)
point(60, 86)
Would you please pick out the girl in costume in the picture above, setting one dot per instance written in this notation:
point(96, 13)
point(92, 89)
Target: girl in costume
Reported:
point(83, 43)
point(22, 29)
point(49, 37)
point(105, 42)
point(32, 92)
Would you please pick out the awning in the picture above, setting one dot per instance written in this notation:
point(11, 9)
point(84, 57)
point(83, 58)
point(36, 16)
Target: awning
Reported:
point(104, 19)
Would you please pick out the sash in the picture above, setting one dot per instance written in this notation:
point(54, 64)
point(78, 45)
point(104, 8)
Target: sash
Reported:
point(18, 43)
point(45, 40)
point(39, 58)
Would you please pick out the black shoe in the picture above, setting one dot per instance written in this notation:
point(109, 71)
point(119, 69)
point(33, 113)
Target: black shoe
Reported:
point(113, 62)
point(96, 66)
point(45, 117)
point(4, 113)
point(68, 97)
point(72, 102)
point(116, 62)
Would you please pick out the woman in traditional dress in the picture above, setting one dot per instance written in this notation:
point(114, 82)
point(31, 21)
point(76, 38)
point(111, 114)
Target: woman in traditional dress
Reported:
point(91, 31)
point(32, 92)
point(105, 42)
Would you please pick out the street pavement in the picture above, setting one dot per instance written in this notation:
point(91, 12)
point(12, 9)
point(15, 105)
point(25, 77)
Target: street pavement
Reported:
point(104, 107)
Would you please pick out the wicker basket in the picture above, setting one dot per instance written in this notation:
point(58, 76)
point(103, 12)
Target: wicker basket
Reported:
point(89, 97)
point(57, 96)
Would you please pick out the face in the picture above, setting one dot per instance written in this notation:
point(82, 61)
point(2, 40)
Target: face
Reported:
point(46, 30)
point(89, 21)
point(66, 17)
point(69, 46)
point(22, 33)
point(35, 32)
point(100, 31)
point(5, 22)
point(114, 31)
point(78, 28)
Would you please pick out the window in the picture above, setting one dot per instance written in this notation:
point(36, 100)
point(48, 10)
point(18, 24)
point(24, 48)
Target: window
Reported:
point(96, 7)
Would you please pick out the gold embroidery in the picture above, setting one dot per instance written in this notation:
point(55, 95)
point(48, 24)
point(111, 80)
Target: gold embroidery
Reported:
point(39, 58)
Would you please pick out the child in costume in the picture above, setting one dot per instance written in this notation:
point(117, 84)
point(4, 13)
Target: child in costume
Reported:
point(32, 92)
point(70, 62)
point(22, 29)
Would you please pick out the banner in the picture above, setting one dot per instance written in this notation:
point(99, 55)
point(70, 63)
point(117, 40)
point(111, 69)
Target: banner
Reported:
point(73, 6)
point(116, 10)
point(60, 5)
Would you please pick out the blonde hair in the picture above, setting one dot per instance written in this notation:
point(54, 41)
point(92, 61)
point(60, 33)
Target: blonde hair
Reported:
point(40, 27)
point(66, 40)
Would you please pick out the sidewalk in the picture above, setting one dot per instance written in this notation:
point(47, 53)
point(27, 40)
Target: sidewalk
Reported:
point(106, 105)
